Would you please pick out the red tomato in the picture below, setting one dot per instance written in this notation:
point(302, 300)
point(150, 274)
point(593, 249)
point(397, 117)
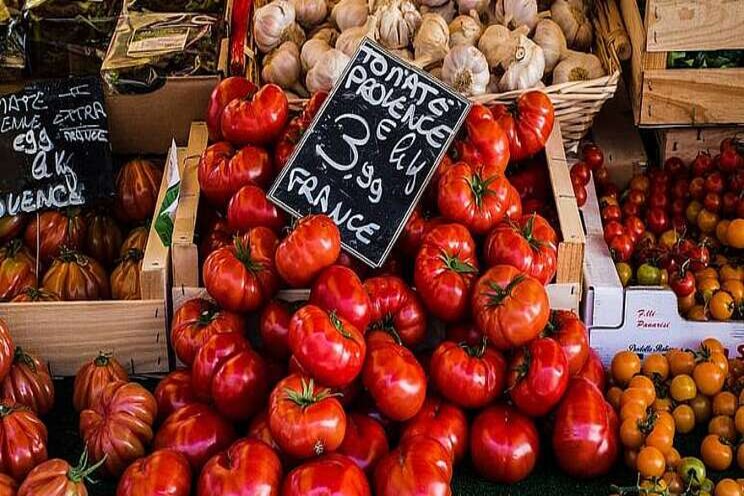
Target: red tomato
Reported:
point(173, 392)
point(682, 282)
point(529, 244)
point(305, 420)
point(464, 333)
point(57, 478)
point(29, 383)
point(445, 270)
point(197, 432)
point(195, 322)
point(227, 371)
point(274, 328)
point(504, 444)
point(611, 212)
point(476, 196)
point(8, 486)
point(730, 160)
point(259, 429)
point(242, 277)
point(634, 227)
point(17, 270)
point(55, 230)
point(527, 122)
point(674, 166)
point(569, 332)
point(702, 164)
point(338, 289)
point(365, 441)
point(11, 226)
point(416, 228)
point(23, 440)
point(538, 377)
point(611, 229)
point(328, 347)
point(137, 188)
point(313, 245)
point(249, 208)
point(580, 194)
point(257, 120)
point(593, 156)
point(509, 306)
point(442, 421)
point(593, 370)
point(585, 433)
point(469, 376)
point(601, 176)
point(248, 468)
point(394, 379)
point(714, 183)
point(103, 239)
point(330, 475)
point(488, 139)
point(420, 465)
point(227, 90)
point(581, 173)
point(621, 248)
point(397, 309)
point(93, 377)
point(163, 473)
point(222, 172)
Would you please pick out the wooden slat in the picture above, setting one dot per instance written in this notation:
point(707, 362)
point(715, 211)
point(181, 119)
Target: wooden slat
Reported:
point(694, 25)
point(555, 154)
point(685, 143)
point(637, 35)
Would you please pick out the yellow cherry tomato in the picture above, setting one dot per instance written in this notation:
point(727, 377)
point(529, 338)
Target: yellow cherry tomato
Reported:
point(706, 221)
point(722, 305)
point(692, 211)
point(702, 407)
point(680, 362)
point(721, 229)
point(683, 388)
point(724, 403)
point(715, 454)
point(709, 378)
point(624, 366)
point(735, 234)
point(656, 365)
point(684, 418)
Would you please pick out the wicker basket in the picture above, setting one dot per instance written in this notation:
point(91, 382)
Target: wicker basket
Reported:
point(576, 103)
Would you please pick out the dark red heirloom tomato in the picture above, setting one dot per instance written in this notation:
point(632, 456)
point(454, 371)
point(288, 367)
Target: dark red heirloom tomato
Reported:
point(529, 244)
point(259, 429)
point(257, 118)
point(464, 333)
point(6, 349)
point(305, 420)
point(509, 306)
point(249, 208)
point(75, 277)
point(365, 441)
point(103, 237)
point(53, 230)
point(93, 377)
point(394, 379)
point(570, 333)
point(11, 226)
point(195, 322)
point(476, 196)
point(338, 289)
point(173, 392)
point(442, 421)
point(328, 347)
point(527, 123)
point(163, 473)
point(420, 465)
point(396, 309)
point(29, 383)
point(593, 370)
point(226, 91)
point(330, 475)
point(197, 432)
point(30, 295)
point(487, 138)
point(248, 468)
point(137, 188)
point(504, 444)
point(23, 440)
point(235, 378)
point(242, 277)
point(56, 477)
point(313, 245)
point(8, 486)
point(416, 228)
point(217, 235)
point(222, 171)
point(274, 328)
point(538, 377)
point(445, 271)
point(469, 376)
point(585, 432)
point(17, 270)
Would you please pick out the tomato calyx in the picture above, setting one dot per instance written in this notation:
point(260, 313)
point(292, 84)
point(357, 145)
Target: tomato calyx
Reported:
point(6, 410)
point(21, 356)
point(455, 264)
point(528, 233)
point(11, 248)
point(83, 472)
point(658, 488)
point(497, 295)
point(475, 351)
point(103, 359)
point(132, 254)
point(479, 187)
point(385, 324)
point(67, 255)
point(523, 367)
point(207, 316)
point(243, 254)
point(309, 394)
point(339, 326)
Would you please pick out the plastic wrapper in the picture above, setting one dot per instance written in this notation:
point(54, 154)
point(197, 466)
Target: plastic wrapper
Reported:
point(12, 42)
point(147, 48)
point(195, 6)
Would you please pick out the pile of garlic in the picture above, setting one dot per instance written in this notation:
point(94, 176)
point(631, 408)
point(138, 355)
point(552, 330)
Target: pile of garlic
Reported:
point(477, 46)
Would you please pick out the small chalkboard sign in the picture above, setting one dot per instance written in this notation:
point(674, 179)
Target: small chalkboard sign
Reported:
point(371, 150)
point(54, 146)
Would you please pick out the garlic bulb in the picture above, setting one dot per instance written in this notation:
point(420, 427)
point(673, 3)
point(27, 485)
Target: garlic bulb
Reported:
point(465, 69)
point(326, 72)
point(497, 44)
point(282, 65)
point(436, 72)
point(446, 11)
point(310, 12)
point(516, 13)
point(466, 6)
point(349, 14)
point(349, 40)
point(572, 19)
point(403, 53)
point(398, 21)
point(431, 3)
point(465, 30)
point(578, 66)
point(274, 23)
point(551, 39)
point(432, 40)
point(525, 67)
point(325, 33)
point(312, 51)
point(493, 84)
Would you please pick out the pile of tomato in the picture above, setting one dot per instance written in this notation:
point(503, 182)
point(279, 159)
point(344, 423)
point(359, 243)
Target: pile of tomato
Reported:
point(82, 254)
point(672, 394)
point(680, 226)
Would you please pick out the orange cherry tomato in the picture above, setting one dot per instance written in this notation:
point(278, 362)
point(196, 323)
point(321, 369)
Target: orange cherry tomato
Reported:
point(715, 454)
point(672, 459)
point(650, 462)
point(722, 305)
point(698, 313)
point(708, 272)
point(712, 344)
point(634, 411)
point(724, 403)
point(728, 487)
point(723, 426)
point(707, 287)
point(680, 362)
point(646, 385)
point(625, 365)
point(631, 435)
point(739, 420)
point(613, 397)
point(728, 271)
point(735, 234)
point(735, 288)
point(662, 405)
point(706, 221)
point(740, 456)
point(702, 407)
point(709, 378)
point(721, 231)
point(661, 437)
point(673, 481)
point(684, 418)
point(683, 388)
point(686, 303)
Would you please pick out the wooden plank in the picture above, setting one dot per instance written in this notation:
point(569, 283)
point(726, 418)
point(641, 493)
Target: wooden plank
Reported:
point(685, 143)
point(67, 334)
point(692, 97)
point(637, 35)
point(555, 155)
point(571, 248)
point(699, 25)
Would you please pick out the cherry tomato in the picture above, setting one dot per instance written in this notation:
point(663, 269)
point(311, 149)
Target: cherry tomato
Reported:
point(650, 462)
point(624, 366)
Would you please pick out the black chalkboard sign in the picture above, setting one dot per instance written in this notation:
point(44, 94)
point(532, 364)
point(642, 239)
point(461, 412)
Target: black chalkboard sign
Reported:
point(371, 150)
point(54, 146)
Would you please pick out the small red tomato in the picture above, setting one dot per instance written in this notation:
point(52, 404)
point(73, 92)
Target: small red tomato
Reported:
point(601, 176)
point(580, 194)
point(313, 245)
point(504, 444)
point(581, 173)
point(702, 164)
point(249, 208)
point(164, 472)
point(728, 203)
point(682, 282)
point(674, 166)
point(365, 441)
point(611, 212)
point(173, 392)
point(338, 289)
point(332, 475)
point(420, 465)
point(730, 160)
point(442, 421)
point(714, 183)
point(658, 199)
point(678, 207)
point(570, 333)
point(538, 377)
point(634, 226)
point(697, 188)
point(621, 248)
point(630, 209)
point(681, 188)
point(636, 197)
point(712, 202)
point(397, 309)
point(257, 118)
point(657, 220)
point(611, 229)
point(274, 328)
point(593, 156)
point(248, 467)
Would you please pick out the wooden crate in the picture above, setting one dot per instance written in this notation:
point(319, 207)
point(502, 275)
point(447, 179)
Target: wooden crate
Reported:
point(684, 97)
point(67, 334)
point(685, 143)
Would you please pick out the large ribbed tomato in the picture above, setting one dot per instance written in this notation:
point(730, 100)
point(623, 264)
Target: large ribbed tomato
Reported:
point(23, 440)
point(365, 441)
point(509, 306)
point(30, 295)
point(527, 123)
point(29, 383)
point(196, 321)
point(242, 277)
point(137, 188)
point(396, 309)
point(11, 226)
point(125, 278)
point(103, 238)
point(338, 289)
point(225, 92)
point(420, 465)
point(53, 230)
point(538, 377)
point(594, 371)
point(8, 486)
point(487, 138)
point(222, 171)
point(257, 118)
point(274, 328)
point(135, 240)
point(332, 474)
point(442, 421)
point(6, 349)
point(570, 332)
point(173, 392)
point(118, 425)
point(56, 477)
point(247, 468)
point(249, 207)
point(313, 245)
point(163, 473)
point(17, 270)
point(93, 377)
point(74, 276)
